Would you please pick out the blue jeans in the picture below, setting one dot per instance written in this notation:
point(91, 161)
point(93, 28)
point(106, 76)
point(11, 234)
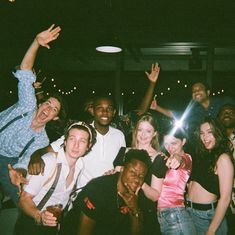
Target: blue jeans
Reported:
point(6, 186)
point(202, 220)
point(176, 221)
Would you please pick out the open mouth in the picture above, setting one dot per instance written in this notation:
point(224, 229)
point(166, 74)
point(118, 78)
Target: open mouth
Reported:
point(43, 115)
point(207, 144)
point(198, 96)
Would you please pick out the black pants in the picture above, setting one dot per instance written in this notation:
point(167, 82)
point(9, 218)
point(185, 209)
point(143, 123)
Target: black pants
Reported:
point(26, 225)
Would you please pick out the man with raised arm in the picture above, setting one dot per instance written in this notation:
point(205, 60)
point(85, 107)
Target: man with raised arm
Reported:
point(22, 126)
point(200, 106)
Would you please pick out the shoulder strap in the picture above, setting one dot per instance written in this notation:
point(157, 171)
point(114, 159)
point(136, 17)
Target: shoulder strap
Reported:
point(13, 120)
point(9, 123)
point(52, 188)
point(26, 147)
point(72, 196)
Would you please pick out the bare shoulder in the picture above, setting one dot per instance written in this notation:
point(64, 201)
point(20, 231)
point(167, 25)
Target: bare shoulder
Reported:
point(224, 162)
point(224, 157)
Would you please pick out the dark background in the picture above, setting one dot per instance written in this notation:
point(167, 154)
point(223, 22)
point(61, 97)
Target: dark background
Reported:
point(149, 31)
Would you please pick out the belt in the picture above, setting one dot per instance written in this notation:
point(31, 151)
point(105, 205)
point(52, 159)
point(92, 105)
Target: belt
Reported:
point(199, 206)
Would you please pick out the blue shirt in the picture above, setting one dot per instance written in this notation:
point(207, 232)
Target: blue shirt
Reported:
point(15, 137)
point(195, 112)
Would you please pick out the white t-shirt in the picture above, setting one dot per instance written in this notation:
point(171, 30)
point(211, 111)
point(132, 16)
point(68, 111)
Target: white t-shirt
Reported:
point(100, 158)
point(39, 185)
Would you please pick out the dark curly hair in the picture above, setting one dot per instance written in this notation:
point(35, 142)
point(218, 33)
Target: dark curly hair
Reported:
point(137, 154)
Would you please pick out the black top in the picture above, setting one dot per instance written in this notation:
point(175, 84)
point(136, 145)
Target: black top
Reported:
point(158, 167)
point(99, 200)
point(203, 174)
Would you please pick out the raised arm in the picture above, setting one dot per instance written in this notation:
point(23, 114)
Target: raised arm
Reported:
point(154, 106)
point(42, 39)
point(153, 77)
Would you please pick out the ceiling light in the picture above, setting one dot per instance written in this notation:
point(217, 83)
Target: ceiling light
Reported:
point(109, 49)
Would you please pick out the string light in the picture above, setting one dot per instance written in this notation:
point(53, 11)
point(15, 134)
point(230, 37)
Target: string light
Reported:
point(186, 86)
point(61, 90)
point(70, 91)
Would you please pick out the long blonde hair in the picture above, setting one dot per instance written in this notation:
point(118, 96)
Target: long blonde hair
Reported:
point(146, 117)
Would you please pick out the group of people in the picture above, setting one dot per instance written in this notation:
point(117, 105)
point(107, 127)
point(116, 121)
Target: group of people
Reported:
point(152, 186)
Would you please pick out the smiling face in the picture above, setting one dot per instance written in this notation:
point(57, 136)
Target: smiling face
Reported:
point(133, 174)
point(173, 145)
point(103, 111)
point(227, 116)
point(77, 143)
point(206, 136)
point(199, 92)
point(48, 111)
point(145, 133)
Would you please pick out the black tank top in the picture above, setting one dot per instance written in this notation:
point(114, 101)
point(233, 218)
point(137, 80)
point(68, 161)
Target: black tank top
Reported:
point(203, 174)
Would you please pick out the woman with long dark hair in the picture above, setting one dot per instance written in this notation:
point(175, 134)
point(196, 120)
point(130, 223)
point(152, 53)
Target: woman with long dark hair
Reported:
point(210, 188)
